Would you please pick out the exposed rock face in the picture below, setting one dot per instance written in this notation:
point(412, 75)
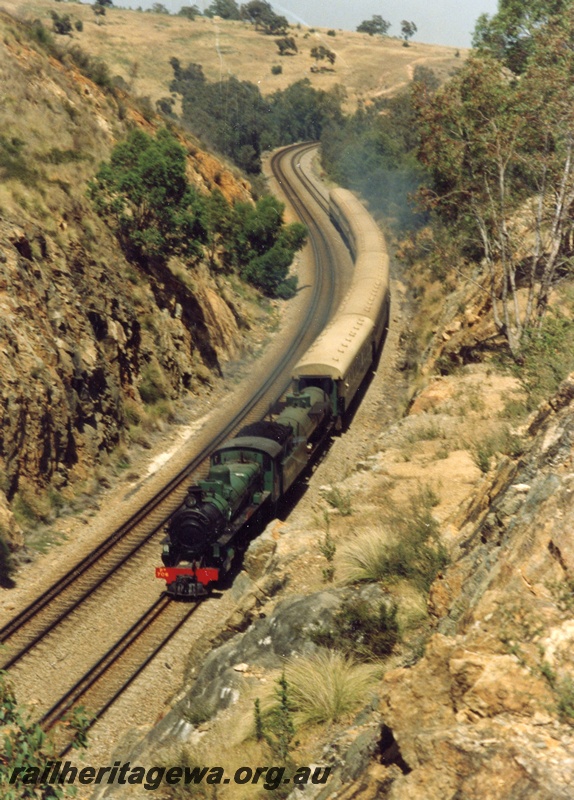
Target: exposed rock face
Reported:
point(74, 346)
point(484, 712)
point(85, 338)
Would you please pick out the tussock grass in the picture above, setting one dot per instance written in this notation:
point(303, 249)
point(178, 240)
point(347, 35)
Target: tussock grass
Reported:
point(339, 500)
point(327, 685)
point(363, 558)
point(405, 546)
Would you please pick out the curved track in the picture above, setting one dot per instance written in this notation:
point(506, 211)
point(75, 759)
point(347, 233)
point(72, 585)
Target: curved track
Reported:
point(41, 616)
point(97, 688)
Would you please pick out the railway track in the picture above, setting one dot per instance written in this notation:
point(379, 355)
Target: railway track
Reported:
point(105, 681)
point(124, 660)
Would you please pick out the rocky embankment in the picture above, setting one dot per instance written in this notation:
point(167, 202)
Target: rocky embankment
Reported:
point(92, 349)
point(477, 701)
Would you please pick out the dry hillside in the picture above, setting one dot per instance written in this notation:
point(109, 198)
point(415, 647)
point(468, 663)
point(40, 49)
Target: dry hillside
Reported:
point(83, 332)
point(138, 46)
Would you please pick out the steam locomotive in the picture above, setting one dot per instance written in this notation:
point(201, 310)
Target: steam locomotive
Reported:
point(254, 470)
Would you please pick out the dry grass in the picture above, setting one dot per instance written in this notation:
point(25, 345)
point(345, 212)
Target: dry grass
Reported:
point(366, 65)
point(328, 685)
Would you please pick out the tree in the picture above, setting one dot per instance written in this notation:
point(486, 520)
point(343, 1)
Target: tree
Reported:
point(508, 35)
point(302, 112)
point(61, 23)
point(262, 16)
point(226, 9)
point(144, 191)
point(320, 52)
point(189, 12)
point(501, 157)
point(159, 8)
point(99, 11)
point(287, 46)
point(375, 25)
point(229, 115)
point(263, 247)
point(408, 30)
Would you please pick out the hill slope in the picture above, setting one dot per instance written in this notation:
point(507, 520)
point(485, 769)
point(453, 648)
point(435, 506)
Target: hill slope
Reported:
point(84, 334)
point(365, 65)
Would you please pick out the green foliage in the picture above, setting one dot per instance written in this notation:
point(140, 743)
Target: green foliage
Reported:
point(264, 248)
point(499, 441)
point(189, 12)
point(548, 358)
point(320, 53)
point(40, 34)
point(261, 15)
point(61, 23)
point(509, 34)
point(259, 732)
point(15, 163)
point(361, 630)
point(232, 116)
point(408, 30)
point(375, 25)
point(340, 501)
point(374, 152)
point(276, 69)
point(153, 386)
point(79, 721)
point(144, 190)
point(565, 700)
point(407, 548)
point(6, 565)
point(286, 45)
point(25, 747)
point(563, 692)
point(563, 593)
point(327, 548)
point(499, 152)
point(93, 68)
point(302, 112)
point(226, 9)
point(276, 727)
point(229, 115)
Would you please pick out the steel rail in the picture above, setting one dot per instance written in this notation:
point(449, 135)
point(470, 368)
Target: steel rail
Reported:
point(73, 576)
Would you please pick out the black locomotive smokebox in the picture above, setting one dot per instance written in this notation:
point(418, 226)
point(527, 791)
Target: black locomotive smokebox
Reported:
point(192, 529)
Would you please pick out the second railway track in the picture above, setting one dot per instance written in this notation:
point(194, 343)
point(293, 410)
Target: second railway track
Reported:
point(40, 618)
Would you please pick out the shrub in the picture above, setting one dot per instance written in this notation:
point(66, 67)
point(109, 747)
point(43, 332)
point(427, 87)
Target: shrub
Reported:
point(565, 700)
point(328, 685)
point(407, 547)
point(93, 68)
point(144, 190)
point(26, 746)
point(153, 387)
point(361, 630)
point(548, 357)
point(501, 441)
point(340, 501)
point(6, 565)
point(276, 726)
point(276, 69)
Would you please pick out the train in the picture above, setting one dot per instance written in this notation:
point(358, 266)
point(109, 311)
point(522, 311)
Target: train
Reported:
point(250, 473)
